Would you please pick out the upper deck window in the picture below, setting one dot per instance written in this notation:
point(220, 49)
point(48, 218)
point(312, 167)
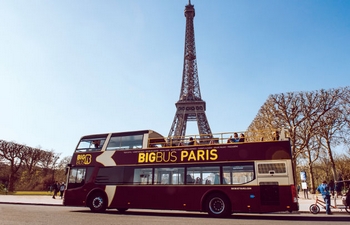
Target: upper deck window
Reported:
point(125, 142)
point(91, 143)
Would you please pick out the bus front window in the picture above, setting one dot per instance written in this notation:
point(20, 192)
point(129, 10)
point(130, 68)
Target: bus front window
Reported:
point(77, 177)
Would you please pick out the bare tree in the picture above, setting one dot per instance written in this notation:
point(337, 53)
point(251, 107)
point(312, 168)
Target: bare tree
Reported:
point(345, 108)
point(329, 132)
point(48, 163)
point(314, 121)
point(342, 162)
point(311, 154)
point(12, 153)
point(64, 162)
point(61, 168)
point(281, 110)
point(315, 106)
point(31, 161)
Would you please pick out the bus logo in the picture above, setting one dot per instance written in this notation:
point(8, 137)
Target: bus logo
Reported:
point(173, 156)
point(84, 159)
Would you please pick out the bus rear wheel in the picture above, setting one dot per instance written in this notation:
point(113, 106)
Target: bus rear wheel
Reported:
point(98, 203)
point(218, 205)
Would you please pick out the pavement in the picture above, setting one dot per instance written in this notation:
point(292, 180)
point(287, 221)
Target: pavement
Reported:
point(304, 204)
point(31, 200)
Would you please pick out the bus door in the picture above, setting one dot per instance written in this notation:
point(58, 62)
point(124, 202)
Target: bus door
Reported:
point(167, 180)
point(269, 193)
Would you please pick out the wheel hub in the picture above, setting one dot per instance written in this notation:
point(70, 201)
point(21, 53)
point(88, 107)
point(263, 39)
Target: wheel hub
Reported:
point(217, 205)
point(97, 202)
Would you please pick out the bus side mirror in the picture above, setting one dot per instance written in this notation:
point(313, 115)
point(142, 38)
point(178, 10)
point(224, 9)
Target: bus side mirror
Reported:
point(68, 166)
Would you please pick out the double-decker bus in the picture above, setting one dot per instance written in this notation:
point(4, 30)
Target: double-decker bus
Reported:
point(144, 170)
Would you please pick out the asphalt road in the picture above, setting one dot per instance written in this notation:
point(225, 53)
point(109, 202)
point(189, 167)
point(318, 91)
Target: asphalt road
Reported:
point(19, 214)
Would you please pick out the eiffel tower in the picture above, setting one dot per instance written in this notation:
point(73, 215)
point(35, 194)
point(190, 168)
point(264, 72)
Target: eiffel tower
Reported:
point(190, 106)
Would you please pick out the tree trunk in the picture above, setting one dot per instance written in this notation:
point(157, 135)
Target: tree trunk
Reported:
point(312, 179)
point(11, 183)
point(330, 155)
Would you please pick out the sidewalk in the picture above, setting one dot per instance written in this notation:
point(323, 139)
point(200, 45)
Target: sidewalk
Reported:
point(31, 199)
point(304, 204)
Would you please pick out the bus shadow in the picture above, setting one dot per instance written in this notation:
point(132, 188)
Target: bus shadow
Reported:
point(275, 216)
point(294, 217)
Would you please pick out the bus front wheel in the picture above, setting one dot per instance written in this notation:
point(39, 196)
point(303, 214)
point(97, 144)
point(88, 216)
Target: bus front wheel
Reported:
point(218, 205)
point(98, 202)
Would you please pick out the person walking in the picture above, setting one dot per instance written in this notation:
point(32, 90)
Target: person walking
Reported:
point(324, 190)
point(55, 187)
point(305, 190)
point(62, 188)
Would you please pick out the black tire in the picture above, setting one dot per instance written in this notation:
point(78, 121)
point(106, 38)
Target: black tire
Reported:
point(314, 209)
point(218, 205)
point(98, 202)
point(122, 210)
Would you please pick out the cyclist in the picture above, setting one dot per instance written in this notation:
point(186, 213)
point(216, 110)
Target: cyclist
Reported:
point(324, 190)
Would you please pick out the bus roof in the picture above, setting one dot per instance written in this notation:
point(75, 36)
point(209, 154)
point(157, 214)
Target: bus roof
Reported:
point(152, 134)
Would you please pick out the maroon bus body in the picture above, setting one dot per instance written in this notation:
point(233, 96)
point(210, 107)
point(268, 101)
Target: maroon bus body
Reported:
point(225, 153)
point(182, 196)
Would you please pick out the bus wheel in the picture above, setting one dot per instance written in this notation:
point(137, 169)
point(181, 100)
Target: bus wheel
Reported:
point(122, 210)
point(218, 205)
point(98, 203)
point(314, 209)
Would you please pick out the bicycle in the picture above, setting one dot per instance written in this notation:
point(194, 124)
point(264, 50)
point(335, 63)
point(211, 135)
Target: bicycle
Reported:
point(315, 208)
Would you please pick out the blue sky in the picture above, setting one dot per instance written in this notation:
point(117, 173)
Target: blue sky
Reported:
point(72, 68)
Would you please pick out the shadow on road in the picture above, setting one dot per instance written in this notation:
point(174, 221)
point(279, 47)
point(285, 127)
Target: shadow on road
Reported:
point(275, 216)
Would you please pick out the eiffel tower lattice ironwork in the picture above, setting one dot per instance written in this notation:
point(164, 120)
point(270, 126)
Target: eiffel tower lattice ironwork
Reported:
point(190, 106)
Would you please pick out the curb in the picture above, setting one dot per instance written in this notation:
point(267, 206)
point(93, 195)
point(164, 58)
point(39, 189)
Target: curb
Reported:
point(30, 203)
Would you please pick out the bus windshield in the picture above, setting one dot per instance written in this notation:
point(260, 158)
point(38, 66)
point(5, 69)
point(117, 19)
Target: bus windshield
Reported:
point(91, 143)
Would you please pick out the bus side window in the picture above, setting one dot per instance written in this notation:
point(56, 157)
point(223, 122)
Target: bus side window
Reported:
point(198, 180)
point(190, 180)
point(217, 179)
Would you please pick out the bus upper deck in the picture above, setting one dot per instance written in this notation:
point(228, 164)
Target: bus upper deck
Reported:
point(144, 139)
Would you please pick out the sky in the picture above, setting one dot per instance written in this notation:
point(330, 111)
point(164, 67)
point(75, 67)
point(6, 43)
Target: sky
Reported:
point(74, 68)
